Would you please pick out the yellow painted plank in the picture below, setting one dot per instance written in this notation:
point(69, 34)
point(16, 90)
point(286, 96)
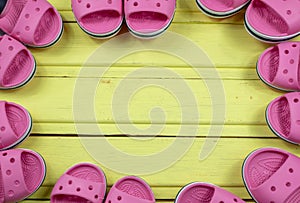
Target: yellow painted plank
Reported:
point(222, 44)
point(169, 130)
point(223, 163)
point(51, 100)
point(123, 72)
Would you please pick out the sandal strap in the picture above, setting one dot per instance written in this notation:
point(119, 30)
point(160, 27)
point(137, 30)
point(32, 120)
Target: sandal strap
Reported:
point(287, 73)
point(7, 134)
point(282, 185)
point(115, 194)
point(82, 8)
point(160, 6)
point(288, 11)
point(13, 181)
point(73, 186)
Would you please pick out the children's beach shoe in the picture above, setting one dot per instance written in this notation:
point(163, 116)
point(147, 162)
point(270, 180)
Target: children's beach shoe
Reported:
point(36, 23)
point(273, 21)
point(22, 173)
point(15, 124)
point(279, 66)
point(99, 18)
point(204, 192)
point(84, 182)
point(221, 8)
point(17, 63)
point(130, 189)
point(272, 175)
point(283, 118)
point(148, 19)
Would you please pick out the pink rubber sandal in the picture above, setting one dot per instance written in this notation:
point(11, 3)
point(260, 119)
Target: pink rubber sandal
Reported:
point(283, 117)
point(279, 66)
point(99, 18)
point(22, 173)
point(221, 8)
point(272, 175)
point(17, 63)
point(82, 183)
point(130, 189)
point(204, 192)
point(273, 21)
point(15, 124)
point(36, 23)
point(147, 19)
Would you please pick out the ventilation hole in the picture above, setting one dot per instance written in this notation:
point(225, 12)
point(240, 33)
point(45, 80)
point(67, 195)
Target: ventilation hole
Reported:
point(78, 189)
point(273, 188)
point(27, 15)
point(109, 1)
point(8, 172)
point(12, 160)
point(286, 52)
point(291, 170)
point(235, 200)
point(10, 39)
point(221, 202)
point(37, 9)
point(4, 154)
point(298, 122)
point(288, 184)
point(79, 1)
point(292, 61)
point(70, 182)
point(119, 198)
point(2, 128)
point(10, 48)
point(291, 80)
point(18, 33)
point(289, 12)
point(285, 71)
point(90, 187)
point(135, 4)
point(158, 4)
point(11, 193)
point(294, 45)
point(27, 28)
point(272, 202)
point(17, 182)
point(296, 100)
point(88, 5)
point(96, 196)
point(60, 187)
point(109, 200)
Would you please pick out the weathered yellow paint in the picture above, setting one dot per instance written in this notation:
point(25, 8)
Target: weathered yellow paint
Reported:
point(49, 98)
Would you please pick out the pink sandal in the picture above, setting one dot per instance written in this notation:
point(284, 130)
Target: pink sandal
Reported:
point(81, 183)
point(17, 63)
point(279, 66)
point(283, 117)
point(22, 173)
point(204, 192)
point(130, 189)
point(99, 18)
point(15, 124)
point(221, 8)
point(272, 175)
point(147, 19)
point(36, 23)
point(273, 21)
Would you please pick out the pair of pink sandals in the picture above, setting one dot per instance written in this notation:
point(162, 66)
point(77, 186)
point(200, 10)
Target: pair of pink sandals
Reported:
point(34, 23)
point(22, 171)
point(270, 175)
point(266, 20)
point(104, 18)
point(86, 183)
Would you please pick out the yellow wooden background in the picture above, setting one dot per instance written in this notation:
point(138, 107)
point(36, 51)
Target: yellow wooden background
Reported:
point(49, 99)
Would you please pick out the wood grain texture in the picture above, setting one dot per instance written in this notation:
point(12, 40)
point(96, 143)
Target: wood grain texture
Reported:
point(50, 99)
